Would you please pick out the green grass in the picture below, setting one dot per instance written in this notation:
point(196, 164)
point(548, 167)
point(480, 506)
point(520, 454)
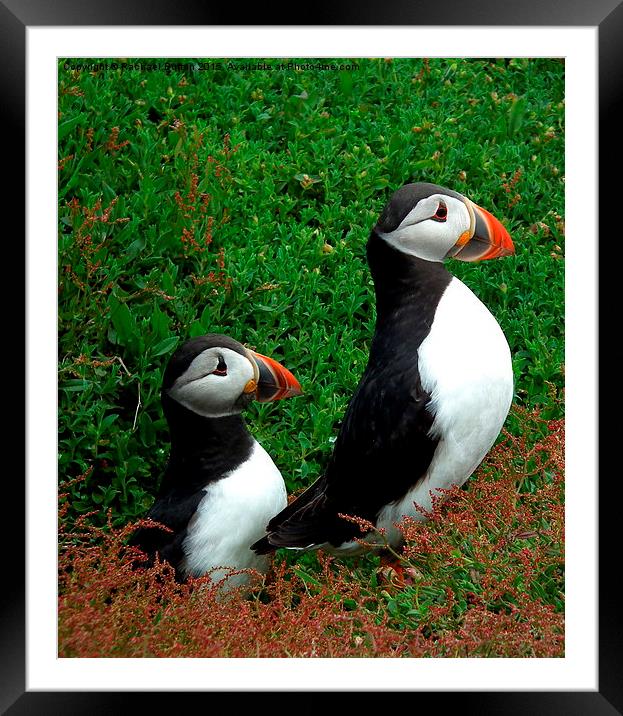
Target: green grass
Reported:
point(294, 168)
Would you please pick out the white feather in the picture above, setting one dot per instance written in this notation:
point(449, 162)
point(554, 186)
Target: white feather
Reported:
point(421, 236)
point(231, 516)
point(208, 394)
point(465, 364)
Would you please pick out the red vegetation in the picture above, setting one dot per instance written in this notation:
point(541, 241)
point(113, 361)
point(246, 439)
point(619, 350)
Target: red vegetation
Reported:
point(482, 577)
point(509, 188)
point(90, 253)
point(198, 225)
point(112, 144)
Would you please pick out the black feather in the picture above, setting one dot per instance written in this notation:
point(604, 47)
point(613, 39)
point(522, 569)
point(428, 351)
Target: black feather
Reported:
point(203, 450)
point(384, 447)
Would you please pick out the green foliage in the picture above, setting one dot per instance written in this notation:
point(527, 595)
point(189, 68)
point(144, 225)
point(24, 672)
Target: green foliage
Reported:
point(241, 202)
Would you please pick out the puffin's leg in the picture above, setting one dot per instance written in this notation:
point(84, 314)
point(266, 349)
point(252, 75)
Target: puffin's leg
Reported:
point(393, 571)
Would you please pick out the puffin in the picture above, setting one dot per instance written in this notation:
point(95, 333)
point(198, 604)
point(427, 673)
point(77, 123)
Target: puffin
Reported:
point(220, 487)
point(436, 389)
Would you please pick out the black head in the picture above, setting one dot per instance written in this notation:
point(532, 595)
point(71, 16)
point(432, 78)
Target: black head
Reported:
point(434, 223)
point(404, 200)
point(182, 358)
point(215, 376)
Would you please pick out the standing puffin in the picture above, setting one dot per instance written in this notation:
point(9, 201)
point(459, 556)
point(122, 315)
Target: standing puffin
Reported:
point(220, 486)
point(437, 387)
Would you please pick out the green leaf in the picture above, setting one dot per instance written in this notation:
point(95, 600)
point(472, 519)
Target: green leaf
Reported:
point(516, 115)
point(421, 164)
point(135, 248)
point(164, 346)
point(65, 127)
point(392, 607)
point(74, 384)
point(396, 143)
point(108, 421)
point(307, 578)
point(168, 283)
point(159, 323)
point(196, 329)
point(206, 319)
point(147, 430)
point(346, 83)
point(123, 321)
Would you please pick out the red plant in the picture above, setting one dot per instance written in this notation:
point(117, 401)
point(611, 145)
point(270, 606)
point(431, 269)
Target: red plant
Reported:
point(484, 578)
point(509, 188)
point(112, 143)
point(62, 162)
point(90, 253)
point(198, 225)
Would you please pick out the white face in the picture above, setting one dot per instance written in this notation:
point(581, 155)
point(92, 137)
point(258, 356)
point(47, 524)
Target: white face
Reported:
point(213, 383)
point(432, 227)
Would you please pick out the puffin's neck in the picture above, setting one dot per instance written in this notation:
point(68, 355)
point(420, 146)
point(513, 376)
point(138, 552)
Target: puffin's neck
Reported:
point(208, 447)
point(404, 282)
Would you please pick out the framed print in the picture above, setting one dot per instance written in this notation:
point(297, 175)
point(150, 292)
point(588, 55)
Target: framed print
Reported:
point(43, 50)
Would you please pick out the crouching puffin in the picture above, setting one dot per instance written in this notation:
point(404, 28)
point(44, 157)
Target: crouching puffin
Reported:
point(220, 486)
point(437, 387)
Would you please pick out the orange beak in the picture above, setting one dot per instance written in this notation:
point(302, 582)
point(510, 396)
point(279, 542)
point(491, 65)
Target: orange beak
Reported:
point(274, 382)
point(489, 239)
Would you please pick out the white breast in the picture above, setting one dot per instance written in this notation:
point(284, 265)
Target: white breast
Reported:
point(231, 516)
point(465, 364)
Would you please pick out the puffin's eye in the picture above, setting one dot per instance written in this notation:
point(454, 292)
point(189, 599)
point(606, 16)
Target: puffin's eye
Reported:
point(221, 368)
point(442, 212)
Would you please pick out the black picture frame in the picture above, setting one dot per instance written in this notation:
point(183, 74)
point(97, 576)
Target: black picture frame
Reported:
point(607, 16)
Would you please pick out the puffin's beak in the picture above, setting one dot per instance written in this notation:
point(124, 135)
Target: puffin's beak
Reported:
point(489, 239)
point(274, 382)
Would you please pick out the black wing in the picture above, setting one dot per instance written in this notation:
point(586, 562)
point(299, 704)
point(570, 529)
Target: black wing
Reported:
point(299, 525)
point(173, 508)
point(383, 449)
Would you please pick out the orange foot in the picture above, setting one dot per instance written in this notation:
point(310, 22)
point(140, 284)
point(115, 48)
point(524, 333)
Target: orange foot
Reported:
point(393, 572)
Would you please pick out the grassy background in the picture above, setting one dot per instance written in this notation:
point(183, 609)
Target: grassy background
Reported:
point(240, 201)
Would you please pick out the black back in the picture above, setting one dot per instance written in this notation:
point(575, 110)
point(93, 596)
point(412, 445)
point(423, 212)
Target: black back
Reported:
point(383, 448)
